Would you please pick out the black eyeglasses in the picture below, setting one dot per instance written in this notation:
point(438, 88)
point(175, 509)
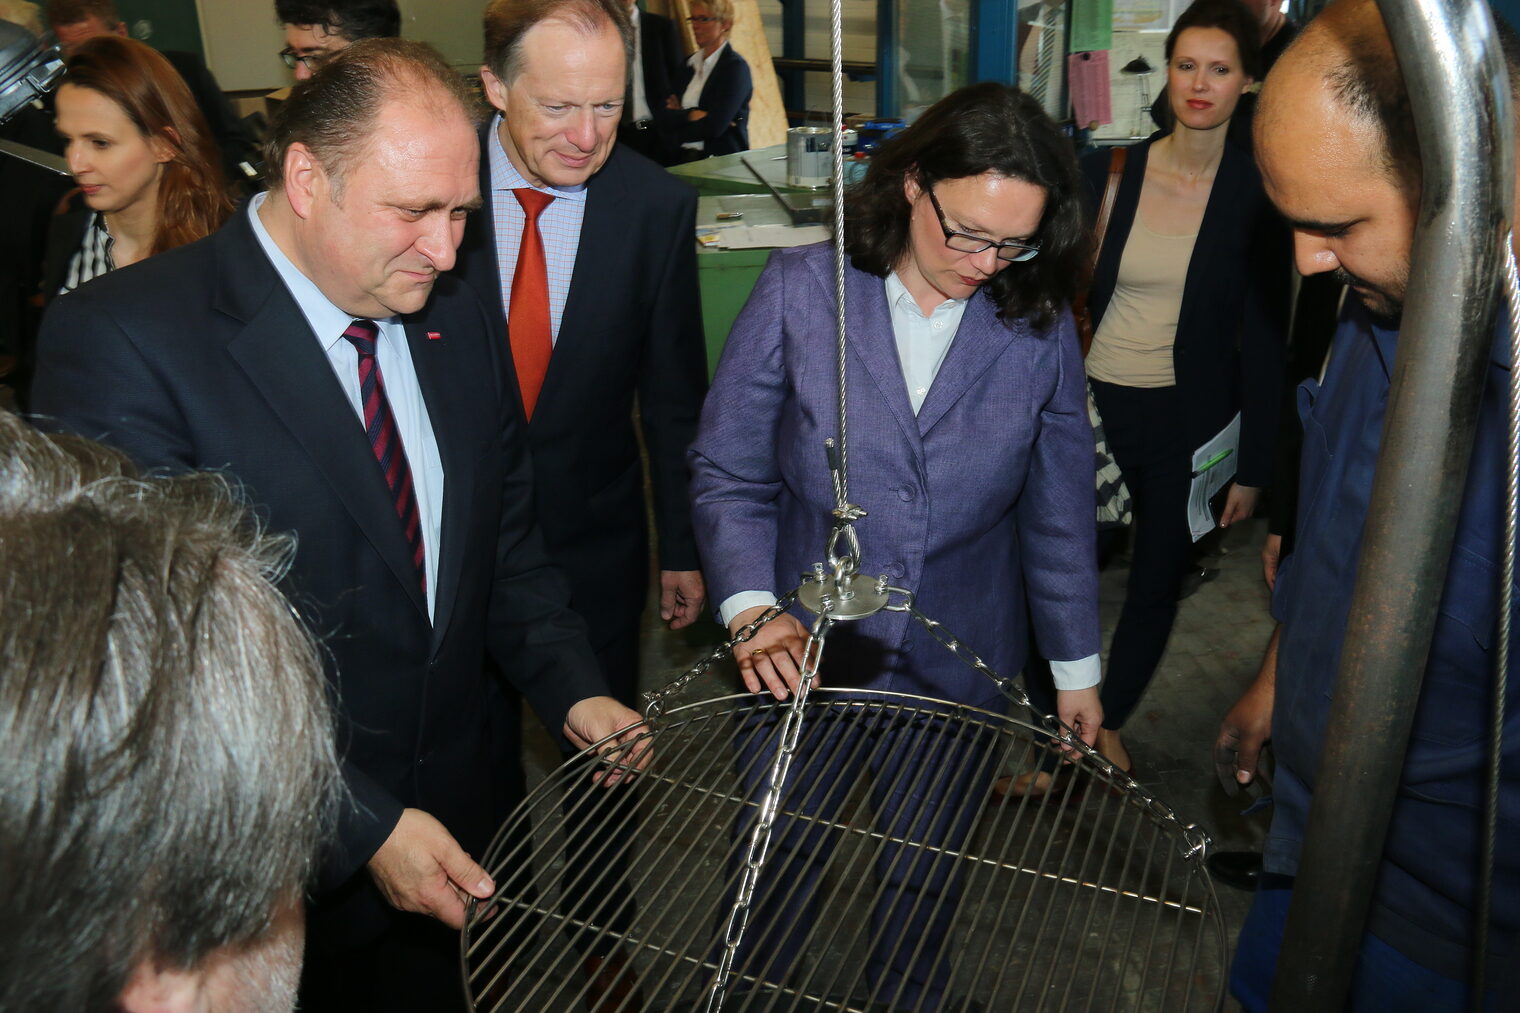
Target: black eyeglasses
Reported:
point(700, 19)
point(960, 242)
point(313, 61)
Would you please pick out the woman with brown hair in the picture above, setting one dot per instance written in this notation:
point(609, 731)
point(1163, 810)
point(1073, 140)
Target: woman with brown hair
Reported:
point(149, 176)
point(971, 451)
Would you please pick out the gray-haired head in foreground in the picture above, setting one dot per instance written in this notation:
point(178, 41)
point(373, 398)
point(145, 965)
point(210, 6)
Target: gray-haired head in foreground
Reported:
point(333, 112)
point(167, 770)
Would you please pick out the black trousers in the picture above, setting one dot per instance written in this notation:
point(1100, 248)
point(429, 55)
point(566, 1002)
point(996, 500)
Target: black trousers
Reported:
point(413, 965)
point(1144, 427)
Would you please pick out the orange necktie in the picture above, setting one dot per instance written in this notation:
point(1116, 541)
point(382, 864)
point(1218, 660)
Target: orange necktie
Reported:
point(528, 318)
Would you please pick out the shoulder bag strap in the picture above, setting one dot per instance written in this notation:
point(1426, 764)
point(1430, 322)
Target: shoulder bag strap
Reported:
point(1110, 194)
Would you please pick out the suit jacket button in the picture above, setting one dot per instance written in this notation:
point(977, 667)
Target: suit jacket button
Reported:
point(905, 493)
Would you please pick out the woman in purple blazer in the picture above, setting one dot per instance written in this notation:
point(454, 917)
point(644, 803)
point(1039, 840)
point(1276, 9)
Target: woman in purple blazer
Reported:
point(969, 448)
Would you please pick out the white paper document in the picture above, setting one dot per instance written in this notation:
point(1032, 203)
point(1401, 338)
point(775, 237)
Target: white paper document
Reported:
point(761, 237)
point(1213, 465)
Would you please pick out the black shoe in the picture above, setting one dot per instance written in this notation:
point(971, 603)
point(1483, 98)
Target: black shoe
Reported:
point(1240, 869)
point(1195, 578)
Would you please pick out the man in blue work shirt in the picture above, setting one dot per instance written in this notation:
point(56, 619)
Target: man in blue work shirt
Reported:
point(1336, 146)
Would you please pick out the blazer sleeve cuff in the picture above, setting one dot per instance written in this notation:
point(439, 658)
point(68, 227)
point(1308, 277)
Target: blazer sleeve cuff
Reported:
point(366, 818)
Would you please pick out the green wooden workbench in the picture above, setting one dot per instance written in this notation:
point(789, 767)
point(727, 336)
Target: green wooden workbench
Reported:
point(727, 276)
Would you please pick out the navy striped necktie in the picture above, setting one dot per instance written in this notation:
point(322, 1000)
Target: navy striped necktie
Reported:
point(385, 440)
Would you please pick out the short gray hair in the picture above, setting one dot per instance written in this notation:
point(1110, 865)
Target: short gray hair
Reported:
point(167, 767)
point(333, 112)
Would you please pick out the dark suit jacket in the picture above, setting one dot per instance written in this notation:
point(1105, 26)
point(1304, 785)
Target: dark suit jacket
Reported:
point(660, 53)
point(65, 233)
point(725, 98)
point(199, 358)
point(632, 326)
point(1233, 323)
point(663, 64)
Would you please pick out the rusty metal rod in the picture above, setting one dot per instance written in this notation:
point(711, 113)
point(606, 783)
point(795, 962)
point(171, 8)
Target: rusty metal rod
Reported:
point(1445, 48)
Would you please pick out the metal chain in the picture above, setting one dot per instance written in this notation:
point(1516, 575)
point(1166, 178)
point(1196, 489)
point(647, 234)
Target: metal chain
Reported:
point(654, 701)
point(1195, 838)
point(770, 805)
point(1490, 843)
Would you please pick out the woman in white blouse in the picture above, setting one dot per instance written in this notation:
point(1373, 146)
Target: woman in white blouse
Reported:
point(711, 115)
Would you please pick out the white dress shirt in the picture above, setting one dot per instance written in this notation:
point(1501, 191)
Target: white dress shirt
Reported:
point(922, 341)
point(922, 344)
point(701, 70)
point(401, 389)
point(640, 111)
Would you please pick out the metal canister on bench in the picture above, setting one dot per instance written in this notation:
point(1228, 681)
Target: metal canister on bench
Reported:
point(809, 159)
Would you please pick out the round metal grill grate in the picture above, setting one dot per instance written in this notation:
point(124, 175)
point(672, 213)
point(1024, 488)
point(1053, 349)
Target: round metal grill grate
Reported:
point(890, 881)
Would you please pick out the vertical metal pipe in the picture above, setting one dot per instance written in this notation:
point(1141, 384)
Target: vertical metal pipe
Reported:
point(887, 22)
point(1450, 59)
point(794, 47)
point(994, 39)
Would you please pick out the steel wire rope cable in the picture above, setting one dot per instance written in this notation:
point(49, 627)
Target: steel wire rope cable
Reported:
point(845, 514)
point(1499, 700)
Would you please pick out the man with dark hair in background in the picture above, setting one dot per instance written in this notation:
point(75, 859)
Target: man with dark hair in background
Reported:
point(1335, 140)
point(74, 21)
point(315, 349)
point(317, 30)
point(167, 773)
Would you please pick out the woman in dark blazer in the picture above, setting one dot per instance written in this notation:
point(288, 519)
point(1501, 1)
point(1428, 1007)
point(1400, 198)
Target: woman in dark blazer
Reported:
point(710, 115)
point(1189, 306)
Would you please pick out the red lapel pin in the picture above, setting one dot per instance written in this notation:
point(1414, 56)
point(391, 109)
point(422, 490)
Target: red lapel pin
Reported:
point(434, 335)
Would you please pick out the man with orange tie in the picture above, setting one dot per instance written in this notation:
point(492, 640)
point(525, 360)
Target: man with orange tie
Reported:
point(585, 252)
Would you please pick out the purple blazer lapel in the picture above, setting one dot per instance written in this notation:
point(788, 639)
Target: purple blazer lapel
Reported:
point(869, 333)
point(981, 339)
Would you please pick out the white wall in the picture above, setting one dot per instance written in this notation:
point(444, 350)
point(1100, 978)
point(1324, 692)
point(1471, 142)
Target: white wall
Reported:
point(242, 39)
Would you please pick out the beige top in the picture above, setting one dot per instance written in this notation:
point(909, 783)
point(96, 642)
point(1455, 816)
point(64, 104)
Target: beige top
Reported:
point(1133, 345)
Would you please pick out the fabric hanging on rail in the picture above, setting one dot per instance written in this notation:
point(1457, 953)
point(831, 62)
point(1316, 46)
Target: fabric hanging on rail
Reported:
point(1092, 26)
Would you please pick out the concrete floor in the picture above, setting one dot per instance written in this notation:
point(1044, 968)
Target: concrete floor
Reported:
point(1213, 654)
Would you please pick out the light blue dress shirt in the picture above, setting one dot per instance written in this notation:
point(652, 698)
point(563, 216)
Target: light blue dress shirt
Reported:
point(401, 389)
point(922, 344)
point(559, 225)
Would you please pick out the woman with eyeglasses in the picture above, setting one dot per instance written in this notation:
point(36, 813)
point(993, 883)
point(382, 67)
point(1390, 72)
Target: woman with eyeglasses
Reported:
point(1189, 309)
point(139, 149)
point(711, 114)
point(969, 449)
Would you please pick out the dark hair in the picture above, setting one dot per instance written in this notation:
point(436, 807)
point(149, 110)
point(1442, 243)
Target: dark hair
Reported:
point(1369, 85)
point(352, 19)
point(507, 21)
point(167, 765)
point(192, 194)
point(72, 12)
point(1229, 16)
point(987, 127)
point(333, 111)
